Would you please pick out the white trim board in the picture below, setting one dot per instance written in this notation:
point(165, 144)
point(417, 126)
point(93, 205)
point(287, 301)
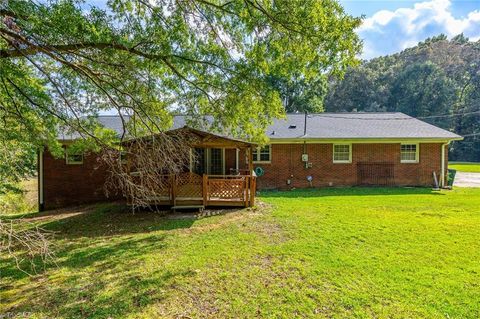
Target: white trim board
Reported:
point(358, 141)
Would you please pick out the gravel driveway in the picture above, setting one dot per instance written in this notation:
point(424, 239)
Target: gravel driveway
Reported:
point(463, 179)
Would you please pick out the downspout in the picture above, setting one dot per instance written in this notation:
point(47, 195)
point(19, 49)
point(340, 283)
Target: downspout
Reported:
point(305, 138)
point(442, 173)
point(41, 202)
point(305, 125)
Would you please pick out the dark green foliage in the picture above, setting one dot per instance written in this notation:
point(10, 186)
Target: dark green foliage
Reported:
point(299, 94)
point(62, 62)
point(437, 81)
point(423, 90)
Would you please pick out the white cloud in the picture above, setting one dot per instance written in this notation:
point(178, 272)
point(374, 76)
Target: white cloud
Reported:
point(391, 31)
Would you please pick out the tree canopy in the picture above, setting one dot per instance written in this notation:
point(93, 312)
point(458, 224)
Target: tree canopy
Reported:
point(437, 81)
point(63, 62)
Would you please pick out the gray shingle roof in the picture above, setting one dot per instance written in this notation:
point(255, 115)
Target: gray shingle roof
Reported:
point(356, 125)
point(113, 122)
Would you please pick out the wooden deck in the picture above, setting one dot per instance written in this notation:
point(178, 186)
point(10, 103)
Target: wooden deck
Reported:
point(187, 189)
point(190, 189)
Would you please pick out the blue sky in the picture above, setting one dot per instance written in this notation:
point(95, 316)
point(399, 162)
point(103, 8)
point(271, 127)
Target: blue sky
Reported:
point(391, 26)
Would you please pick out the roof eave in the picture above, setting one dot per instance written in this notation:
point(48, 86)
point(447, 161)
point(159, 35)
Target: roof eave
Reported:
point(364, 139)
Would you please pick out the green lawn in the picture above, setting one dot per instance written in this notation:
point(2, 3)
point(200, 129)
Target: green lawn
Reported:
point(332, 253)
point(465, 166)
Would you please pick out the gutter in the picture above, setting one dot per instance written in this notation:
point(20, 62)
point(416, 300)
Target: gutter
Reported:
point(41, 201)
point(302, 139)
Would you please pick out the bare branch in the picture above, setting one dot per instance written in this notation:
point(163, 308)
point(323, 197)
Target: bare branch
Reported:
point(25, 242)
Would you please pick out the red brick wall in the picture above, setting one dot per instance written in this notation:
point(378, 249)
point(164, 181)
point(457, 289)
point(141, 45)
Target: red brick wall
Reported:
point(65, 185)
point(286, 164)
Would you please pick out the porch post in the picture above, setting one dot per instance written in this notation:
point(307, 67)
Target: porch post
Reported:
point(205, 189)
point(223, 161)
point(208, 158)
point(237, 164)
point(250, 160)
point(253, 189)
point(252, 178)
point(191, 160)
point(174, 189)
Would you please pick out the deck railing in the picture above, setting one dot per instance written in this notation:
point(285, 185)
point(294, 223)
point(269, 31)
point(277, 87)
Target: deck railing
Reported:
point(233, 188)
point(189, 188)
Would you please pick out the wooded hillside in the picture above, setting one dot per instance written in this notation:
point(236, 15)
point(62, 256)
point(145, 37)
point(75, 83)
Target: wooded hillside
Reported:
point(438, 81)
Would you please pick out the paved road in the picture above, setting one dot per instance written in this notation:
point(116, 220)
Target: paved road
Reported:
point(463, 179)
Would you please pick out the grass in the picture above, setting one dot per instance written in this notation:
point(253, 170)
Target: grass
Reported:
point(470, 167)
point(22, 199)
point(331, 253)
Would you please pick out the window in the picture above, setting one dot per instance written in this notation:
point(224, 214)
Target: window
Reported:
point(262, 154)
point(74, 158)
point(409, 153)
point(216, 161)
point(342, 153)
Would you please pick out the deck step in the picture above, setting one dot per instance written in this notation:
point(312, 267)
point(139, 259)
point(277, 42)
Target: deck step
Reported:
point(199, 207)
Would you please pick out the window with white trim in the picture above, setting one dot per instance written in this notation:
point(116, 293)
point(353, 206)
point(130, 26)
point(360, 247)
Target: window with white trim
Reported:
point(73, 158)
point(262, 154)
point(409, 153)
point(342, 153)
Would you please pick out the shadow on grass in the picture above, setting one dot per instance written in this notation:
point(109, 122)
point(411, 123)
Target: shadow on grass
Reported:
point(135, 292)
point(99, 226)
point(112, 220)
point(100, 255)
point(116, 286)
point(349, 191)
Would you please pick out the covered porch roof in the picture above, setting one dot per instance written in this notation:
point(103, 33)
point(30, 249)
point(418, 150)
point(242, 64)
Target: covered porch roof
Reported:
point(202, 139)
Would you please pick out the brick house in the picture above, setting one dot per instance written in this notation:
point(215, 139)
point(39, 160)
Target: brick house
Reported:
point(304, 150)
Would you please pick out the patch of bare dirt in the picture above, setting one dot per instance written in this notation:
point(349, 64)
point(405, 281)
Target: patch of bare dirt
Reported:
point(58, 214)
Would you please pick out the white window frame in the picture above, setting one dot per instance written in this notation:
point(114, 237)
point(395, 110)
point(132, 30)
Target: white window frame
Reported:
point(349, 154)
point(417, 153)
point(69, 162)
point(256, 157)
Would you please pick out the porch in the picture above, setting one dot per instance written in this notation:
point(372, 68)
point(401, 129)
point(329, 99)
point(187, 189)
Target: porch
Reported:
point(191, 189)
point(220, 173)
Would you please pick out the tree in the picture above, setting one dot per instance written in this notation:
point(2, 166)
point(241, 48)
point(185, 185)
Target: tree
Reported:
point(423, 90)
point(358, 91)
point(62, 62)
point(436, 80)
point(299, 94)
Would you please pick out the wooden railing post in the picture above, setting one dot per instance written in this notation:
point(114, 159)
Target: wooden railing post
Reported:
point(205, 189)
point(253, 186)
point(245, 191)
point(173, 180)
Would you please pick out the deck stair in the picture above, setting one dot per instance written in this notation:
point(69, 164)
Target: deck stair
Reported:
point(200, 208)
